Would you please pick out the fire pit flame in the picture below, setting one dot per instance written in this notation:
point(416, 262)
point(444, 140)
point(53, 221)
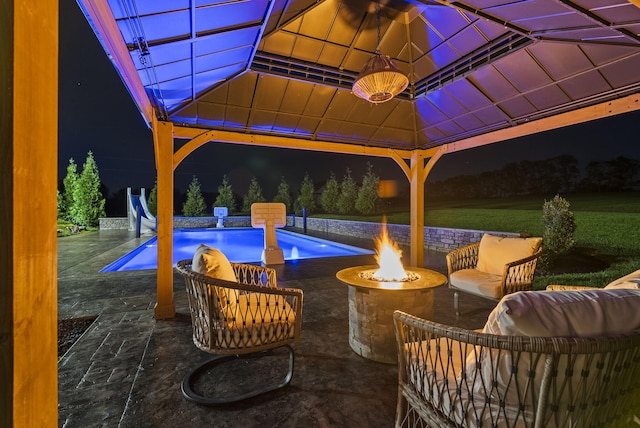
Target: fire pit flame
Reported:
point(388, 256)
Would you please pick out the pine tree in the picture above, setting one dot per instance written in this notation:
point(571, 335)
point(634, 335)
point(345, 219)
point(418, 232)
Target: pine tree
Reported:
point(59, 203)
point(348, 194)
point(330, 195)
point(152, 202)
point(88, 201)
point(306, 198)
point(284, 195)
point(254, 194)
point(225, 197)
point(195, 205)
point(68, 184)
point(367, 201)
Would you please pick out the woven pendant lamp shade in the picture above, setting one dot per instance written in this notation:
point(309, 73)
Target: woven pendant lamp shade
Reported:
point(380, 80)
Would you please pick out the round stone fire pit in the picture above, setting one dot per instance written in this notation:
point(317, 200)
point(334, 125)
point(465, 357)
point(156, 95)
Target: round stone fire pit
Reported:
point(372, 303)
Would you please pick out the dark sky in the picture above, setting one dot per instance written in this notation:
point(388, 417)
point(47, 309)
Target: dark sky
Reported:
point(97, 114)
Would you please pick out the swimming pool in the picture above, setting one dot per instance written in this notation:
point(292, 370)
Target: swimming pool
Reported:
point(241, 245)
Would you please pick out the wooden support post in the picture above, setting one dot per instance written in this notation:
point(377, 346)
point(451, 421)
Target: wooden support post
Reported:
point(28, 242)
point(417, 178)
point(163, 142)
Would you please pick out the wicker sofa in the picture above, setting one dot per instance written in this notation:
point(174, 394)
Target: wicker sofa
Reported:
point(544, 359)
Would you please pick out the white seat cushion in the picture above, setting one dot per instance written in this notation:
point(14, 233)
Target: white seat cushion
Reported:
point(477, 282)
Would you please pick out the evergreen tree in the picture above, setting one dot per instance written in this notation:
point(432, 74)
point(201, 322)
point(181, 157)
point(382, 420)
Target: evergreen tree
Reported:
point(68, 184)
point(284, 195)
point(194, 205)
point(330, 195)
point(348, 194)
point(254, 194)
point(88, 201)
point(367, 201)
point(152, 202)
point(225, 197)
point(306, 198)
point(59, 203)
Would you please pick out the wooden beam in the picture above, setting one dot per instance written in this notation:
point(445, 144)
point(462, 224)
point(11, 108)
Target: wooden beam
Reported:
point(105, 25)
point(28, 242)
point(199, 137)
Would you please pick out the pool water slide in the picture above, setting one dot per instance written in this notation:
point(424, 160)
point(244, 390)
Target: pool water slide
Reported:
point(137, 204)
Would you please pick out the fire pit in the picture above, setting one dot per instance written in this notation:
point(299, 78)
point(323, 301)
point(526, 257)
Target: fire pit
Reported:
point(371, 306)
point(376, 291)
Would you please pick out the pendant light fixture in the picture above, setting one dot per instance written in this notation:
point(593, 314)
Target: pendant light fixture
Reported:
point(380, 79)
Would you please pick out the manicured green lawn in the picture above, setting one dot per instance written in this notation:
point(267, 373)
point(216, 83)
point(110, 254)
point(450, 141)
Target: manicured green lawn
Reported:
point(607, 233)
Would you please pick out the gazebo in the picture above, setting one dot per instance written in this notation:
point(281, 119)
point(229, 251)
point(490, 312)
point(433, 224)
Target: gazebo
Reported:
point(297, 74)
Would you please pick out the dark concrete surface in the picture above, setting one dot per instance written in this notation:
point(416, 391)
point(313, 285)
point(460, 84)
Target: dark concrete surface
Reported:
point(125, 371)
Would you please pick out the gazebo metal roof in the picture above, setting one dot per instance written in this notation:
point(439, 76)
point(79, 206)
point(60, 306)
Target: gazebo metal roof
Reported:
point(285, 67)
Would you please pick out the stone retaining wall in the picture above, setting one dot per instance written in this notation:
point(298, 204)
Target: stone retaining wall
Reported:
point(435, 238)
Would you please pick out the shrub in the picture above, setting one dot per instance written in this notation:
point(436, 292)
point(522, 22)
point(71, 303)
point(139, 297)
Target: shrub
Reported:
point(226, 197)
point(330, 195)
point(152, 201)
point(194, 205)
point(348, 194)
point(254, 194)
point(559, 228)
point(284, 195)
point(88, 201)
point(306, 198)
point(367, 201)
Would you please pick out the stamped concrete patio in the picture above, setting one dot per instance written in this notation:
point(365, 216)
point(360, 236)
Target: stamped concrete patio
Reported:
point(125, 371)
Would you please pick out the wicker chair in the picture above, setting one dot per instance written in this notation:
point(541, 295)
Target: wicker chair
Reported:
point(449, 376)
point(240, 320)
point(507, 277)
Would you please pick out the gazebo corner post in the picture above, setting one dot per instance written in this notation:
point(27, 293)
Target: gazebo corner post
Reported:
point(416, 180)
point(163, 145)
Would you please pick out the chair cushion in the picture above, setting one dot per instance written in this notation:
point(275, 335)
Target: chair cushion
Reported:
point(477, 282)
point(213, 263)
point(628, 281)
point(496, 251)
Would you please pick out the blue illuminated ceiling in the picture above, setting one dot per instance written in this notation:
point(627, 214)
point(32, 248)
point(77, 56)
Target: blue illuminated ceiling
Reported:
point(285, 67)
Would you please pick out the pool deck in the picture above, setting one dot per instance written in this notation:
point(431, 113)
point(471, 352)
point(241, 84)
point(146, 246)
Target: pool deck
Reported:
point(125, 371)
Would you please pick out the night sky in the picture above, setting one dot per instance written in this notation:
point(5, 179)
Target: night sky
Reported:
point(97, 114)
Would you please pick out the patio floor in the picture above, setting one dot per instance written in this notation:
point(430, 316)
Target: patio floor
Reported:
point(125, 371)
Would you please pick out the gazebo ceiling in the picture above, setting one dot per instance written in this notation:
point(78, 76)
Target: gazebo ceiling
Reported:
point(285, 67)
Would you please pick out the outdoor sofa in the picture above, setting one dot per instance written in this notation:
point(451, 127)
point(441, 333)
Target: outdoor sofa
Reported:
point(543, 359)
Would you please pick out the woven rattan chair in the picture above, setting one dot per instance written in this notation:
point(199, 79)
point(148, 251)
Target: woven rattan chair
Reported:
point(240, 320)
point(466, 275)
point(449, 376)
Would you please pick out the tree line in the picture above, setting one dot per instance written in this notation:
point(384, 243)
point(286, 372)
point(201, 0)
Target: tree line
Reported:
point(336, 197)
point(555, 175)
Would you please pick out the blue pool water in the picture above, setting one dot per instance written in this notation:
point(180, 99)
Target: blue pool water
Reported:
point(241, 245)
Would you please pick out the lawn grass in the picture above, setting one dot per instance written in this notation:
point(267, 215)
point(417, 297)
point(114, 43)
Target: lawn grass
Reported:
point(607, 232)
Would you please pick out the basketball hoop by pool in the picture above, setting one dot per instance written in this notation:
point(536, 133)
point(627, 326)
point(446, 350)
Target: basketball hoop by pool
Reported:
point(241, 245)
